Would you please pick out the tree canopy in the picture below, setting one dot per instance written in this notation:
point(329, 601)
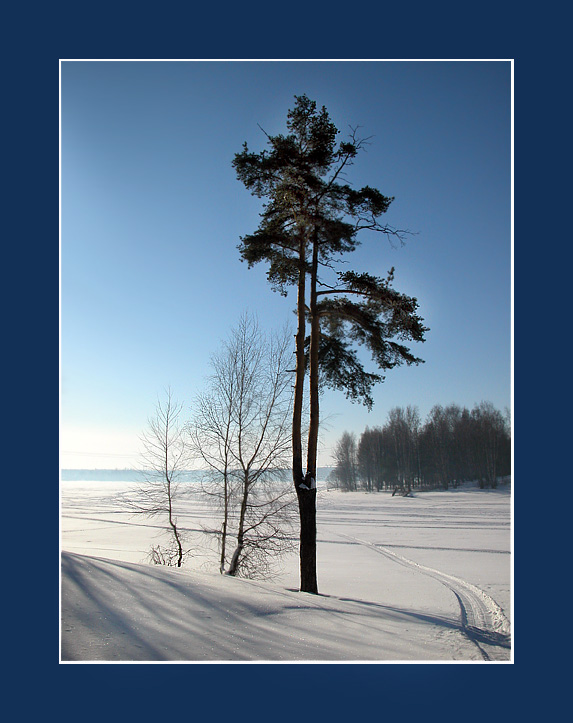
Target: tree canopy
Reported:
point(307, 208)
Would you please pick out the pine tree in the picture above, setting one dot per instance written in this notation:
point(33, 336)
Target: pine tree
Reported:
point(310, 219)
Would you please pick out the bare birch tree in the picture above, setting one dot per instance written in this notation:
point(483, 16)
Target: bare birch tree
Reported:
point(164, 460)
point(241, 435)
point(345, 454)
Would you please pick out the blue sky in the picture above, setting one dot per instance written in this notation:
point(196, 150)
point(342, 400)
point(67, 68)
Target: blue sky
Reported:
point(151, 214)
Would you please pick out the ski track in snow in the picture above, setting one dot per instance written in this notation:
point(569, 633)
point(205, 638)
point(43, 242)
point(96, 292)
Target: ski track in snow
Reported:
point(483, 621)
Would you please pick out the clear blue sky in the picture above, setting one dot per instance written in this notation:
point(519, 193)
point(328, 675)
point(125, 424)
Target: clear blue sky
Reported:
point(151, 214)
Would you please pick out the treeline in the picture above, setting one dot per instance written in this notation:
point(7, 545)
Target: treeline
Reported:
point(452, 446)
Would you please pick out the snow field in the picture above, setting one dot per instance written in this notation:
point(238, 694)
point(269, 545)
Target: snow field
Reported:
point(426, 578)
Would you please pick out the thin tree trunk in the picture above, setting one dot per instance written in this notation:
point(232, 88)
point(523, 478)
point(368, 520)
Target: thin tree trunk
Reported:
point(174, 526)
point(226, 492)
point(299, 377)
point(313, 369)
point(234, 565)
point(225, 521)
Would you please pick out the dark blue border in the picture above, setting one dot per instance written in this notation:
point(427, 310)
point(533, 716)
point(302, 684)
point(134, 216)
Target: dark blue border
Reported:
point(40, 36)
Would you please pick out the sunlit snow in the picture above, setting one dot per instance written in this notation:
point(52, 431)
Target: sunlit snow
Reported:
point(423, 578)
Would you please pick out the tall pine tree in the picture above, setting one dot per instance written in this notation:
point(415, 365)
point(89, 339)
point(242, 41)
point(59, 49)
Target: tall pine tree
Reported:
point(310, 219)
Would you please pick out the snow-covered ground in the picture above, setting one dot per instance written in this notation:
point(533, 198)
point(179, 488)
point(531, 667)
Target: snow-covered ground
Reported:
point(418, 579)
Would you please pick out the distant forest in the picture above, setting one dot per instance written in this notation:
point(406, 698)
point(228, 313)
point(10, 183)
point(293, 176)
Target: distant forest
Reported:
point(453, 445)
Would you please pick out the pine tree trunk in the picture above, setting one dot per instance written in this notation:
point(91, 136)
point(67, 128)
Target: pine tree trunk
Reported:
point(307, 511)
point(313, 371)
point(307, 497)
point(299, 374)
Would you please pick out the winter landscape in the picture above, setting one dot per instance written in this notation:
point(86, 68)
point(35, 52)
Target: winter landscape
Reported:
point(426, 578)
point(249, 250)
